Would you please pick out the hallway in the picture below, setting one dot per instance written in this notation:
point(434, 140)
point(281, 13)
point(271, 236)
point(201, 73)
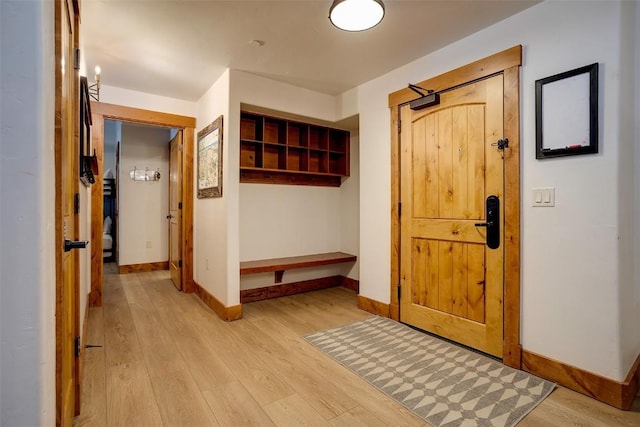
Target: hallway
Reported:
point(164, 359)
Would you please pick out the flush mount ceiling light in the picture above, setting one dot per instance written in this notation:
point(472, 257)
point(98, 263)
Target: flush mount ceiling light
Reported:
point(356, 15)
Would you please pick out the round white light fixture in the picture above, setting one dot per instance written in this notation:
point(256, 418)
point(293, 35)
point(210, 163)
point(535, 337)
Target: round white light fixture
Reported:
point(356, 15)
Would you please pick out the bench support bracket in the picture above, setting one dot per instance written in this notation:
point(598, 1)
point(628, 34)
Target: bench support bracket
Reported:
point(278, 275)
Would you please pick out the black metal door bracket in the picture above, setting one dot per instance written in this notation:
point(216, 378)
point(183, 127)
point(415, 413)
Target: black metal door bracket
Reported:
point(501, 144)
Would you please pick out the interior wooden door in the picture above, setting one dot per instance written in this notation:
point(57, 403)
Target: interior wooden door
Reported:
point(175, 210)
point(67, 182)
point(451, 281)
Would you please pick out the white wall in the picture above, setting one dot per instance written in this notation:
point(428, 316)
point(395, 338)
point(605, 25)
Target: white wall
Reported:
point(375, 188)
point(629, 183)
point(290, 220)
point(145, 101)
point(350, 210)
point(570, 277)
point(143, 205)
point(27, 214)
point(347, 103)
point(570, 252)
point(215, 237)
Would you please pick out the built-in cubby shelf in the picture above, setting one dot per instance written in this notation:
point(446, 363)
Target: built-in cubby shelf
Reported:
point(280, 151)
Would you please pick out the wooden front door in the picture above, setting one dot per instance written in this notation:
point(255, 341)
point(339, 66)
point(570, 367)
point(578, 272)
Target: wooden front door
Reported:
point(67, 182)
point(175, 209)
point(451, 282)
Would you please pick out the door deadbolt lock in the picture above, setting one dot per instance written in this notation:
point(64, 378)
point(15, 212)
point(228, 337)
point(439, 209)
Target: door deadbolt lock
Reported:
point(493, 222)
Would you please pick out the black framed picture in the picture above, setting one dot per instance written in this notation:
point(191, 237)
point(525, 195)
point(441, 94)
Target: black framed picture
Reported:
point(567, 113)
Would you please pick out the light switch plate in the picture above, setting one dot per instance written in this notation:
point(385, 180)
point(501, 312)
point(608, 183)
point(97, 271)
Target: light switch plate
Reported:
point(543, 197)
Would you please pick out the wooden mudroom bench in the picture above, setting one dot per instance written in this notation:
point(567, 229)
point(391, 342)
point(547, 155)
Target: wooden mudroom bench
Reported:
point(280, 265)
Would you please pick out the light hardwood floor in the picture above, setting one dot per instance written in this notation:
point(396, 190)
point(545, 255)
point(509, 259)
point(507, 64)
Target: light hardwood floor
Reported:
point(166, 360)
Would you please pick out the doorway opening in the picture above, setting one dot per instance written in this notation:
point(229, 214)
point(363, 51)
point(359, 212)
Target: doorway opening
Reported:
point(140, 207)
point(135, 188)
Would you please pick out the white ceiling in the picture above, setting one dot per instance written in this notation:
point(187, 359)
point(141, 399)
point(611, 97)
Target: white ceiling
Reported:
point(178, 48)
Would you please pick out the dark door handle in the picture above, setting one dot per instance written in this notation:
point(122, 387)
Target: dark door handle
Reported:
point(74, 244)
point(492, 207)
point(484, 224)
point(169, 216)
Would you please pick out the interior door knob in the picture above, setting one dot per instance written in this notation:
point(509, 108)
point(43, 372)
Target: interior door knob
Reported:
point(74, 244)
point(484, 224)
point(169, 216)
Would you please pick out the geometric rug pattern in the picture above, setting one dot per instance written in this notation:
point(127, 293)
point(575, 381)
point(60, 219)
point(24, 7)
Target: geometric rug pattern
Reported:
point(442, 383)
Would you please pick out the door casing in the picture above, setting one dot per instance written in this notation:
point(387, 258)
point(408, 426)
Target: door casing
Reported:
point(508, 63)
point(100, 112)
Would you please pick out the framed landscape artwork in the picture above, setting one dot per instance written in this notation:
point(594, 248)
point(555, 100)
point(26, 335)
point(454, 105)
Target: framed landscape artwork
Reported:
point(210, 160)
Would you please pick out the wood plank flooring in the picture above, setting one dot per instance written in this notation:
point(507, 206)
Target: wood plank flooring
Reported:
point(165, 359)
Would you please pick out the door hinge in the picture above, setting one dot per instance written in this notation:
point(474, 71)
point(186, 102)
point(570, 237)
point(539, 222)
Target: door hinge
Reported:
point(399, 292)
point(76, 346)
point(399, 126)
point(179, 205)
point(180, 148)
point(180, 263)
point(76, 203)
point(399, 209)
point(76, 59)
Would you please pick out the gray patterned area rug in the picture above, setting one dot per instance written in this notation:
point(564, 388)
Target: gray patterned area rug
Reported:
point(444, 384)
